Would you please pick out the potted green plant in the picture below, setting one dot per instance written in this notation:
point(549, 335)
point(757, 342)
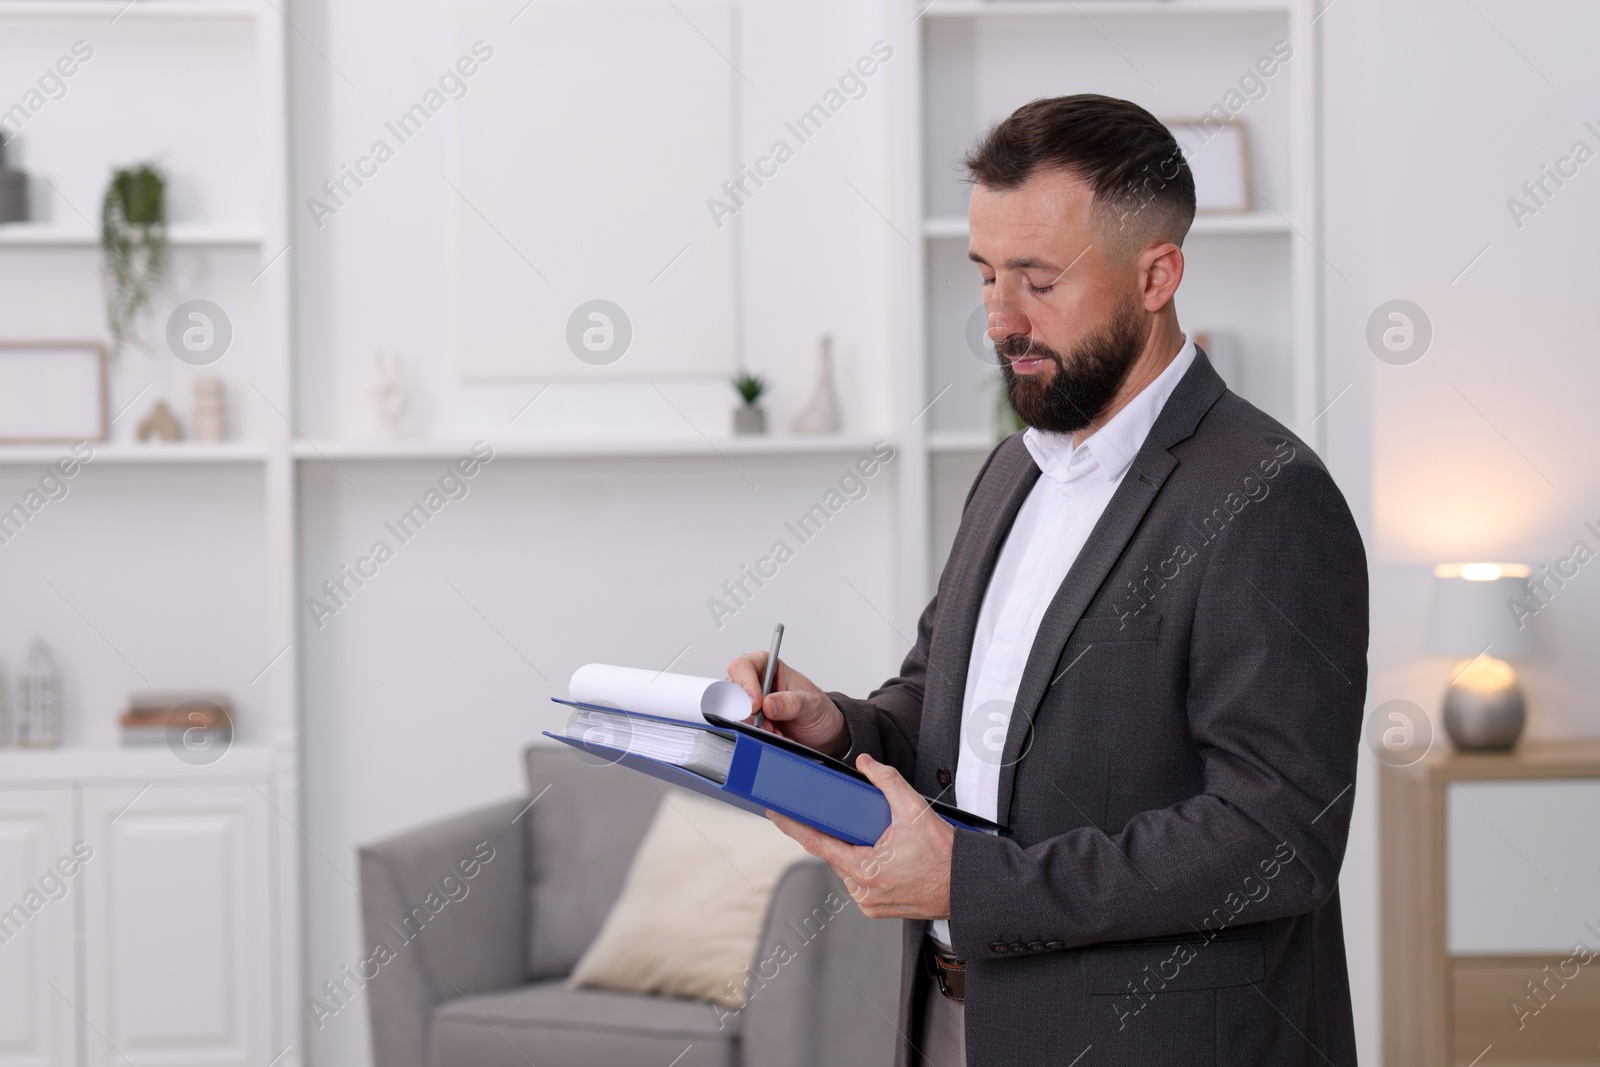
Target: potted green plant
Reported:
point(749, 417)
point(133, 244)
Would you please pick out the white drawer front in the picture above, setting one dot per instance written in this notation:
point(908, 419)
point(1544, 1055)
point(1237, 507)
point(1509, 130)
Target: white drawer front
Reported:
point(1524, 866)
point(38, 1024)
point(176, 952)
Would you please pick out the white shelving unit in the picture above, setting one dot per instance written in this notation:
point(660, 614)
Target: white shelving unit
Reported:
point(180, 940)
point(139, 763)
point(112, 11)
point(1093, 8)
point(579, 448)
point(972, 441)
point(27, 235)
point(176, 454)
point(1256, 274)
point(955, 227)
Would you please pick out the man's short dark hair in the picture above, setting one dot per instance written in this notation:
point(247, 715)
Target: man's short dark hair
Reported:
point(1130, 160)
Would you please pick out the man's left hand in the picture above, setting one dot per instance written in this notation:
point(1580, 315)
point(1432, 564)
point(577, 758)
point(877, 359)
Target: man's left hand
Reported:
point(906, 875)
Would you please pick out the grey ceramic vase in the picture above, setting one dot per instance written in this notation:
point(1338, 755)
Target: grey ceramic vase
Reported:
point(749, 418)
point(1479, 721)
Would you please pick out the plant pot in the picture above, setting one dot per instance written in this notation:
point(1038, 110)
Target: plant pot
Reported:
point(13, 195)
point(749, 418)
point(13, 190)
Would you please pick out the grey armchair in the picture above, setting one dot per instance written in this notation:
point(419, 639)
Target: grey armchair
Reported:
point(479, 943)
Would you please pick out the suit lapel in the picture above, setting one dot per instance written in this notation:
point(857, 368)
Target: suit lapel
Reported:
point(1196, 392)
point(994, 506)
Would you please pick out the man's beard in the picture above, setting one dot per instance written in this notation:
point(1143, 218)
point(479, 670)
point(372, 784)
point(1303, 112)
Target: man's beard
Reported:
point(1083, 385)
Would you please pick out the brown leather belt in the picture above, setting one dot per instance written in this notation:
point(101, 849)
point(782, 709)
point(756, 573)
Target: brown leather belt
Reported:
point(948, 972)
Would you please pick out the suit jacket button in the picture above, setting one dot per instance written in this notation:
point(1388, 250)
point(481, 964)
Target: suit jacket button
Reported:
point(1035, 946)
point(943, 777)
point(999, 946)
point(1018, 946)
point(1053, 945)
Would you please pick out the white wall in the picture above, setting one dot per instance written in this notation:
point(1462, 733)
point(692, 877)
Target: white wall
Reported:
point(1436, 113)
point(422, 691)
point(420, 694)
point(376, 274)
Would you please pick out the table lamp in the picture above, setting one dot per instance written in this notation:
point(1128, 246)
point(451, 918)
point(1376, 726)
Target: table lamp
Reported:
point(1483, 708)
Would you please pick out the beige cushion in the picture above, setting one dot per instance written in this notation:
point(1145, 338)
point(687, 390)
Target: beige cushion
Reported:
point(692, 906)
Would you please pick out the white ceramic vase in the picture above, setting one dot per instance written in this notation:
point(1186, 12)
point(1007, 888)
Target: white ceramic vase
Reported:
point(821, 413)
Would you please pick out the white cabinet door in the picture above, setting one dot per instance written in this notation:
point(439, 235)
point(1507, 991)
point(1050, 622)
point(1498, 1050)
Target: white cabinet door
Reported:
point(1524, 867)
point(176, 960)
point(38, 987)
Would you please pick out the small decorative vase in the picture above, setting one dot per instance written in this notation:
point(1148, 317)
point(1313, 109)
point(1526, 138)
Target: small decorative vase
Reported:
point(210, 410)
point(821, 413)
point(1484, 721)
point(749, 418)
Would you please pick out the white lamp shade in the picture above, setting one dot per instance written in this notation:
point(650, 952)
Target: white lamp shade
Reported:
point(1475, 616)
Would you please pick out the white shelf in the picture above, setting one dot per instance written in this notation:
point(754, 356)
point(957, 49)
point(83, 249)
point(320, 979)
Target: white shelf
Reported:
point(1255, 222)
point(598, 448)
point(1099, 8)
point(118, 453)
point(957, 442)
point(116, 10)
point(143, 763)
point(946, 227)
point(51, 235)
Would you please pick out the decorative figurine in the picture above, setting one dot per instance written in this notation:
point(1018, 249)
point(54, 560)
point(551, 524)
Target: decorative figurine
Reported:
point(161, 424)
point(389, 396)
point(821, 413)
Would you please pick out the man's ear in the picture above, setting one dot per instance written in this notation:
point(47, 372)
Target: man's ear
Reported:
point(1161, 270)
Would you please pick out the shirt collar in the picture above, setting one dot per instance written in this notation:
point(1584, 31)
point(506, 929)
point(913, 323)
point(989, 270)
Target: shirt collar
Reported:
point(1113, 446)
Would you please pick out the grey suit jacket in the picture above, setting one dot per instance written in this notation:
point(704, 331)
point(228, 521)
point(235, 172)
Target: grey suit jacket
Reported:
point(1178, 776)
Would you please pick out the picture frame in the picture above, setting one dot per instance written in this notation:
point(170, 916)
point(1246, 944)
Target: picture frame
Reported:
point(1218, 153)
point(52, 392)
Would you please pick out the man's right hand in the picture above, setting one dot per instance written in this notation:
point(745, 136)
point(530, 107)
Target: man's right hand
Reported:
point(796, 707)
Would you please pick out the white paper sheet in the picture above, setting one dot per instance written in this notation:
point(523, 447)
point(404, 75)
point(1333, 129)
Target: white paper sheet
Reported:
point(676, 696)
point(701, 751)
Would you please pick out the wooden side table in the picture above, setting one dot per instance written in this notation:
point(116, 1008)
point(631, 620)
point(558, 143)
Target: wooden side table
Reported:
point(1491, 907)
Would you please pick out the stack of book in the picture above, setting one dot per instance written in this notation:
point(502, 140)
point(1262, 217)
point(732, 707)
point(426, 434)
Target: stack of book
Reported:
point(199, 719)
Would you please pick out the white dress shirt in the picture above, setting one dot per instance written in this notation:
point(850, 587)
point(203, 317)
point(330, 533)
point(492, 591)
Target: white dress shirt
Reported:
point(1074, 487)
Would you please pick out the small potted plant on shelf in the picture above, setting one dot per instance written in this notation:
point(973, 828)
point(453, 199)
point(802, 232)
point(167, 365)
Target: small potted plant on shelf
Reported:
point(133, 241)
point(749, 417)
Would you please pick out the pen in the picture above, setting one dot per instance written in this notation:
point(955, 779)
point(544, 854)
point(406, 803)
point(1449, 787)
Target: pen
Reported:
point(772, 668)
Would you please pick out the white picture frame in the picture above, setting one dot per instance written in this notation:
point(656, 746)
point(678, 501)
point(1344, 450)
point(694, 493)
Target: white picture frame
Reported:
point(52, 392)
point(1218, 154)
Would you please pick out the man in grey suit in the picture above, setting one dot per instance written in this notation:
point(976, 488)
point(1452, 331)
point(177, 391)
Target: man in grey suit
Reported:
point(1146, 659)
